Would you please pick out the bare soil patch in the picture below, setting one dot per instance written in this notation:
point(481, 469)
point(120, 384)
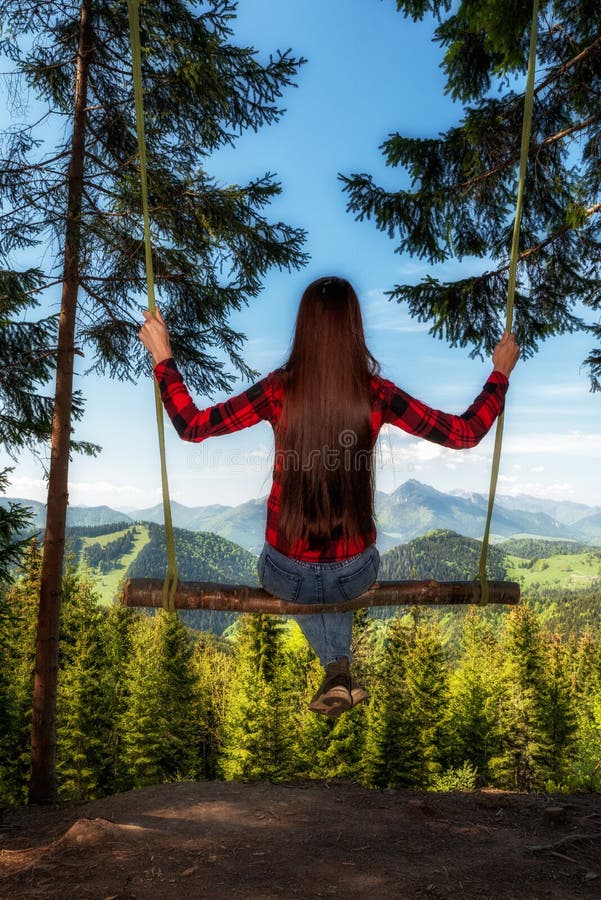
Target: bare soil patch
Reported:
point(312, 839)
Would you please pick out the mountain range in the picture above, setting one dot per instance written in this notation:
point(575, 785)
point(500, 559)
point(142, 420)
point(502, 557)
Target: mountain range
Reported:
point(409, 511)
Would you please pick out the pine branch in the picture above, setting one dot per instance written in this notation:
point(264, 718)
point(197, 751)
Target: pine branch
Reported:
point(560, 70)
point(550, 239)
point(464, 186)
point(36, 290)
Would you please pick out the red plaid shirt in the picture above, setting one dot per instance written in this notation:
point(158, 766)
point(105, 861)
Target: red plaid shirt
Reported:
point(263, 401)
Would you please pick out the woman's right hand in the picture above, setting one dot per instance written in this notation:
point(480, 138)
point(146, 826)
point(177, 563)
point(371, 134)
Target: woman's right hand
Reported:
point(506, 353)
point(155, 337)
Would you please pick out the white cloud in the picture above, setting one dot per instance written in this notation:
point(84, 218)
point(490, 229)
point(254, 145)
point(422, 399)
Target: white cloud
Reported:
point(390, 450)
point(224, 458)
point(559, 490)
point(98, 493)
point(382, 314)
point(29, 488)
point(264, 353)
point(563, 389)
point(566, 443)
point(86, 493)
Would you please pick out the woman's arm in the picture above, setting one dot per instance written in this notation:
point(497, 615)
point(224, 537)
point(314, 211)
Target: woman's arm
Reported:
point(194, 424)
point(190, 422)
point(458, 431)
point(401, 409)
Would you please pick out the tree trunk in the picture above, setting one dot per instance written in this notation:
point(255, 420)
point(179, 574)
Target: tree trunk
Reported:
point(42, 786)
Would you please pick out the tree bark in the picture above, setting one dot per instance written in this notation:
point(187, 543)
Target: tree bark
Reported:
point(42, 785)
point(243, 598)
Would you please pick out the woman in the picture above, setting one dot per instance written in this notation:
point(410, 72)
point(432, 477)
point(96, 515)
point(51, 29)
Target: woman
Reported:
point(326, 404)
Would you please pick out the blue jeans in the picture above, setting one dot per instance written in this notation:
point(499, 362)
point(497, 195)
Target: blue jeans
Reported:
point(297, 581)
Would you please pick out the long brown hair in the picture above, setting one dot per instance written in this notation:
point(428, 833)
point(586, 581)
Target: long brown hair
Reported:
point(324, 436)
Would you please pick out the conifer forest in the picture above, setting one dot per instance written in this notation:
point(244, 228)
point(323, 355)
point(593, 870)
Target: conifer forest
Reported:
point(458, 698)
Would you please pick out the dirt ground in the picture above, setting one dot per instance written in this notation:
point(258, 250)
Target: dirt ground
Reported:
point(311, 839)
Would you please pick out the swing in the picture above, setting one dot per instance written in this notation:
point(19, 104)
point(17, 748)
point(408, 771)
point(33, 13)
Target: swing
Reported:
point(171, 594)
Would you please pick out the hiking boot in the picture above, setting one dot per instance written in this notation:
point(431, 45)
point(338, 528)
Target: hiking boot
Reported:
point(334, 694)
point(358, 693)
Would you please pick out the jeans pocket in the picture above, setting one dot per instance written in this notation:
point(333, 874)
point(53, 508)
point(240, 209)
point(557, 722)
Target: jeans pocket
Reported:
point(282, 584)
point(358, 582)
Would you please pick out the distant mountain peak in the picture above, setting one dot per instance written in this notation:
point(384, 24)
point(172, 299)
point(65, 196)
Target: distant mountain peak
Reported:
point(410, 510)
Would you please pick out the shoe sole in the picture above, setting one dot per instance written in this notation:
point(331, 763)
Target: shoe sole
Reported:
point(359, 695)
point(332, 704)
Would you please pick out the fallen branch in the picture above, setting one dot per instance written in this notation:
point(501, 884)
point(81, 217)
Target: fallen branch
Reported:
point(568, 839)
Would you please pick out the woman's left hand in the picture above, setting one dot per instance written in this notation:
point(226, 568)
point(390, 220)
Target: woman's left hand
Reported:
point(155, 337)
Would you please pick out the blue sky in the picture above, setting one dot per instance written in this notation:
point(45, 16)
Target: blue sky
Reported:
point(369, 72)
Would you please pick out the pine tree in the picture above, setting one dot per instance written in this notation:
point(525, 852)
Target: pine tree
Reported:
point(257, 729)
point(27, 360)
point(311, 733)
point(474, 697)
point(15, 519)
point(76, 188)
point(393, 749)
point(8, 704)
point(344, 755)
point(426, 675)
point(559, 714)
point(117, 626)
point(457, 190)
point(139, 730)
point(327, 748)
point(213, 668)
point(27, 357)
point(19, 605)
point(159, 730)
point(27, 350)
point(201, 92)
point(586, 681)
point(525, 738)
point(83, 713)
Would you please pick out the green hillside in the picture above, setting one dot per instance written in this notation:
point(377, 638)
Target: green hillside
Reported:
point(533, 562)
point(563, 587)
point(202, 556)
point(112, 553)
point(560, 570)
point(443, 555)
point(106, 552)
point(530, 547)
point(111, 567)
point(561, 578)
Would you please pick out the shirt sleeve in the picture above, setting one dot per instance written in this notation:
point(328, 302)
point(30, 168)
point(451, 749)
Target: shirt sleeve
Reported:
point(194, 424)
point(465, 430)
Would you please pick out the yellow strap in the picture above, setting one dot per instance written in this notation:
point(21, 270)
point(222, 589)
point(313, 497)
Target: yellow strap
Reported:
point(526, 127)
point(171, 574)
